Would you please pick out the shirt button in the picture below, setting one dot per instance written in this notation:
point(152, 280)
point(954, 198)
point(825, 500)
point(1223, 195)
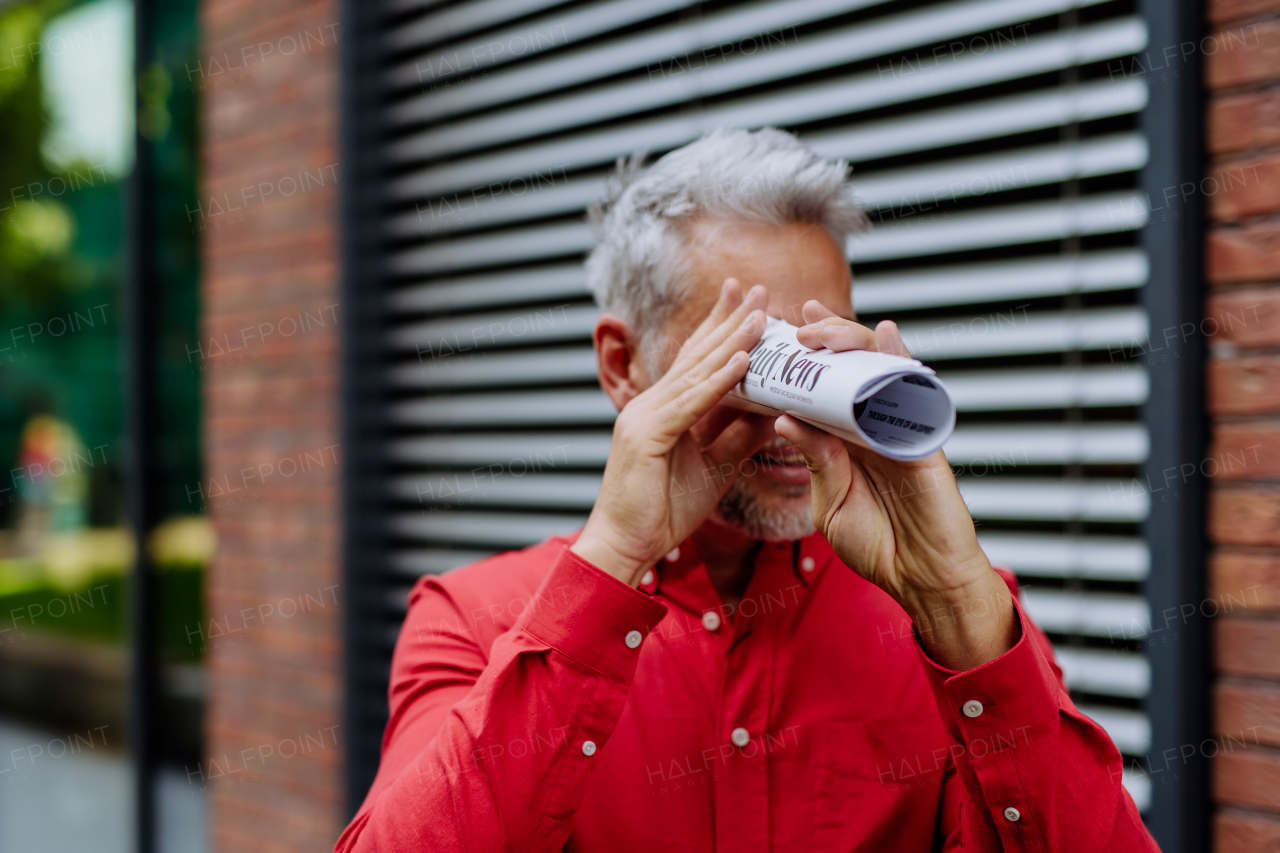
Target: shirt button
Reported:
point(807, 564)
point(973, 708)
point(633, 639)
point(1012, 814)
point(673, 554)
point(711, 620)
point(647, 578)
point(740, 737)
point(589, 748)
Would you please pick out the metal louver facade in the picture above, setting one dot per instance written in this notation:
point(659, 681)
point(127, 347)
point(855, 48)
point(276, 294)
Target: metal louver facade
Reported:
point(1008, 152)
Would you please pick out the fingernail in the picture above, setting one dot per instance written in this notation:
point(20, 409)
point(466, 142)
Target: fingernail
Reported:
point(749, 324)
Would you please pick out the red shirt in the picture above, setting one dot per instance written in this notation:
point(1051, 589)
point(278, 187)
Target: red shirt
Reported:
point(539, 704)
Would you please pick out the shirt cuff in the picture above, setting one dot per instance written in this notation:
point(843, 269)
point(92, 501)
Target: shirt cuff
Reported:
point(1006, 697)
point(589, 615)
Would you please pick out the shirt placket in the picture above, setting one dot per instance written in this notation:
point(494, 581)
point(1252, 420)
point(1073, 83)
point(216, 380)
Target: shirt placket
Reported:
point(742, 791)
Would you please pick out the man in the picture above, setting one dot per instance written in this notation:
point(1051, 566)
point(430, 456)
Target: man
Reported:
point(699, 669)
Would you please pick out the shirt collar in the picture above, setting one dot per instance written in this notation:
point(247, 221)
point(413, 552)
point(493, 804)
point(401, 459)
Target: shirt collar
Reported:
point(809, 558)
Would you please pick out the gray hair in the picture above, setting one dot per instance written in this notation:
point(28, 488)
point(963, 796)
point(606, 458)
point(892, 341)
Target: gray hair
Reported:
point(639, 268)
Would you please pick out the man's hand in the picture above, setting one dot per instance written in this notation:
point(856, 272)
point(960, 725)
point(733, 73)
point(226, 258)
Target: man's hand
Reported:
point(903, 525)
point(672, 456)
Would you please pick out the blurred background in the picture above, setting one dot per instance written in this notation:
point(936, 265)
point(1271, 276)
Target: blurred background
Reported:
point(277, 279)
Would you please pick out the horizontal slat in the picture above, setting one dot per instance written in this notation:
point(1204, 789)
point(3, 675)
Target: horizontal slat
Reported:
point(476, 370)
point(488, 250)
point(538, 451)
point(390, 8)
point(1138, 786)
point(505, 202)
point(994, 498)
point(718, 31)
point(925, 187)
point(1103, 672)
point(990, 449)
point(504, 488)
point(476, 292)
point(520, 42)
point(526, 408)
point(786, 108)
point(1047, 388)
point(534, 198)
point(456, 335)
point(432, 561)
point(999, 447)
point(1002, 390)
point(1051, 555)
point(1091, 614)
point(905, 238)
point(458, 19)
point(1119, 269)
point(1129, 730)
point(815, 52)
point(490, 529)
point(1016, 332)
point(1037, 499)
point(981, 120)
point(1014, 225)
point(913, 190)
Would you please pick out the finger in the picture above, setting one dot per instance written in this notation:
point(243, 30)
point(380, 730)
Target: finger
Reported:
point(889, 339)
point(814, 311)
point(742, 339)
point(825, 328)
point(841, 336)
point(830, 471)
point(696, 351)
point(679, 414)
point(715, 422)
point(730, 298)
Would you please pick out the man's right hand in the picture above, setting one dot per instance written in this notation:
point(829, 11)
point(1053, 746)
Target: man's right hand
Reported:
point(672, 457)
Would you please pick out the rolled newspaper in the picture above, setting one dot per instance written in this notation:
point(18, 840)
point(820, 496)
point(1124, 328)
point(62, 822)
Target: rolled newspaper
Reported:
point(893, 405)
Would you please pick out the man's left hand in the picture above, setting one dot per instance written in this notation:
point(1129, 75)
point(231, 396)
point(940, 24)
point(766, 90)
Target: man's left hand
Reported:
point(903, 525)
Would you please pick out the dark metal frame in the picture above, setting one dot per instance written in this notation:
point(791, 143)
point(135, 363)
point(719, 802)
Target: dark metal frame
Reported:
point(142, 472)
point(364, 550)
point(1175, 418)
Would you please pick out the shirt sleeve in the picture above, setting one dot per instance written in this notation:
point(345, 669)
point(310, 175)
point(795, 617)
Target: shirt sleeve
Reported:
point(495, 755)
point(1032, 772)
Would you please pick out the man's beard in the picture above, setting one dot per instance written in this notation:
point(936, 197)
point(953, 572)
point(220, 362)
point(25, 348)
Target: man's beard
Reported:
point(740, 510)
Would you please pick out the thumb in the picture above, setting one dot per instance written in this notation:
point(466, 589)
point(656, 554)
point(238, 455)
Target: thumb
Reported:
point(829, 468)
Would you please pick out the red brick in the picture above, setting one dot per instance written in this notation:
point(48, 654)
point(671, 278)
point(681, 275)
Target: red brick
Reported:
point(1243, 187)
point(1240, 56)
point(1248, 647)
point(1244, 451)
point(274, 398)
point(1247, 777)
point(1244, 386)
point(1244, 516)
point(1248, 580)
point(1243, 253)
point(1238, 831)
point(1248, 711)
point(1246, 317)
point(1242, 121)
point(1229, 11)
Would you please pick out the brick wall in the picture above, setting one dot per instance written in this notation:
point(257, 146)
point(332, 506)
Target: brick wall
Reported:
point(269, 355)
point(1242, 73)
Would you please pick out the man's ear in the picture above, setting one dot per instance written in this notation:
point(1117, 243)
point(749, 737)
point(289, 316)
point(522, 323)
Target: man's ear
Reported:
point(622, 370)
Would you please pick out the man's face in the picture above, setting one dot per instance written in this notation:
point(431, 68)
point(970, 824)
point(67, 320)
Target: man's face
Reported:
point(796, 263)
